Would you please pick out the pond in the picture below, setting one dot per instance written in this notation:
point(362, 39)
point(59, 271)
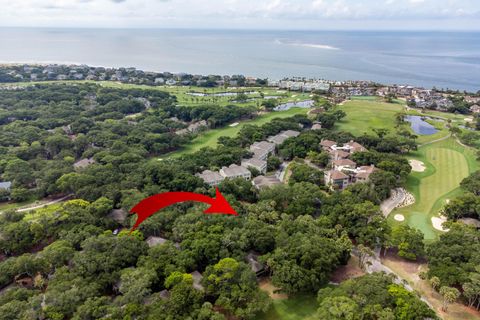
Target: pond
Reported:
point(419, 126)
point(299, 104)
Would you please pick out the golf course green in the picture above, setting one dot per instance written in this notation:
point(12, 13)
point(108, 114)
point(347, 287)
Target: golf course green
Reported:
point(447, 164)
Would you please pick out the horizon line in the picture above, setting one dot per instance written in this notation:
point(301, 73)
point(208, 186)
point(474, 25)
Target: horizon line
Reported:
point(243, 29)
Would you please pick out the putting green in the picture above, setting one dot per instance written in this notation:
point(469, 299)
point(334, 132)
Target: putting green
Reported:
point(447, 164)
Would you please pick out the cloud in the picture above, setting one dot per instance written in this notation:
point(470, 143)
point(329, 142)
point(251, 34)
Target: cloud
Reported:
point(237, 13)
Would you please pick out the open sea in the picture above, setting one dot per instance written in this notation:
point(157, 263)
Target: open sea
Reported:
point(441, 59)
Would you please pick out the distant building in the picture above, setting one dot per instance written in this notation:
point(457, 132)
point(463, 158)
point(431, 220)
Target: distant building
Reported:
point(212, 178)
point(155, 241)
point(282, 136)
point(255, 265)
point(82, 164)
point(261, 150)
point(6, 185)
point(316, 126)
point(197, 280)
point(118, 215)
point(234, 171)
point(261, 182)
point(257, 164)
point(475, 108)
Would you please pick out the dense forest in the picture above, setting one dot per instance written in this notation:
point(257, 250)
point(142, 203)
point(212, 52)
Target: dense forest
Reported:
point(74, 260)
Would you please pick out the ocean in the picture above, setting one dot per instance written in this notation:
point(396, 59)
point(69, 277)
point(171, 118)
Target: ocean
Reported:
point(428, 59)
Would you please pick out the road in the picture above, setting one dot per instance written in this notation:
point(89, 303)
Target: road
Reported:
point(374, 264)
point(398, 196)
point(281, 172)
point(44, 204)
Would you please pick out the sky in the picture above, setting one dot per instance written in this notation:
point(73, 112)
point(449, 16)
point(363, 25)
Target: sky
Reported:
point(245, 14)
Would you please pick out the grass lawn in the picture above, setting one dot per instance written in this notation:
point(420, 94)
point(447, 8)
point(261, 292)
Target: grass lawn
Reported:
point(183, 98)
point(302, 307)
point(447, 163)
point(368, 113)
point(209, 138)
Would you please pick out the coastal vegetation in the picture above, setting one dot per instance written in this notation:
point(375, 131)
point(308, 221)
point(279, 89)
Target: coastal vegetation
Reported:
point(110, 145)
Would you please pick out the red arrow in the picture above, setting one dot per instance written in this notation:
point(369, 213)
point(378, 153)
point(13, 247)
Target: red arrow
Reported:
point(150, 205)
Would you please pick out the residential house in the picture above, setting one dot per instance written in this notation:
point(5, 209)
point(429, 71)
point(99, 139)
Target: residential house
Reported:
point(257, 164)
point(355, 147)
point(118, 215)
point(155, 241)
point(212, 178)
point(316, 126)
point(336, 179)
point(327, 144)
point(261, 150)
point(470, 99)
point(282, 136)
point(363, 173)
point(193, 128)
point(475, 108)
point(344, 164)
point(339, 154)
point(234, 171)
point(6, 185)
point(197, 280)
point(255, 265)
point(83, 163)
point(261, 182)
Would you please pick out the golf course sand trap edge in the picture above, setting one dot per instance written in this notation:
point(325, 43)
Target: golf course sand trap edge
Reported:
point(437, 223)
point(399, 217)
point(417, 166)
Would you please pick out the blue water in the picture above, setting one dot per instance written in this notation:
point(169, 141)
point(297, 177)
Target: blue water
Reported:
point(419, 126)
point(448, 59)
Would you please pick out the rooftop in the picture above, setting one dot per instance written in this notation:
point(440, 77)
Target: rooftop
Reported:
point(265, 181)
point(80, 164)
point(344, 163)
point(155, 241)
point(210, 176)
point(327, 143)
point(337, 175)
point(234, 170)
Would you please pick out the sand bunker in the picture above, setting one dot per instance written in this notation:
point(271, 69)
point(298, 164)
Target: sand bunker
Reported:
point(468, 119)
point(399, 217)
point(417, 166)
point(234, 124)
point(437, 223)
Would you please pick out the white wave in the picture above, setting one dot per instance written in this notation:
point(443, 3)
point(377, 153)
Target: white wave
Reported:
point(307, 45)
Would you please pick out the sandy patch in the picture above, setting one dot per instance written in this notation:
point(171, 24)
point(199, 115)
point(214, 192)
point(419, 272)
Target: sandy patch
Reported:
point(437, 223)
point(234, 124)
point(267, 286)
point(294, 96)
point(468, 119)
point(348, 271)
point(417, 166)
point(447, 201)
point(399, 217)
